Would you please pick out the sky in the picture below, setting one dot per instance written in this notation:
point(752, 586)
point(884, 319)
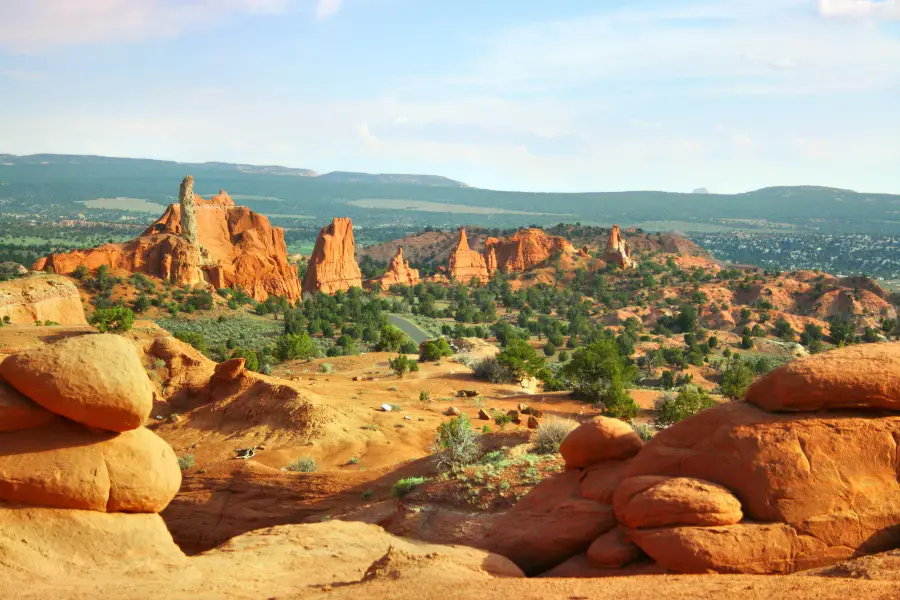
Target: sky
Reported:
point(568, 95)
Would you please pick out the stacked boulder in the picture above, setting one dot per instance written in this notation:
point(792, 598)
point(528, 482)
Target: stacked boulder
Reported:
point(76, 462)
point(803, 474)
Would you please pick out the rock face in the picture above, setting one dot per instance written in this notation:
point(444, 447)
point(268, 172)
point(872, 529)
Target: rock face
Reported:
point(41, 298)
point(63, 483)
point(524, 250)
point(617, 250)
point(237, 248)
point(332, 266)
point(399, 272)
point(467, 264)
point(736, 488)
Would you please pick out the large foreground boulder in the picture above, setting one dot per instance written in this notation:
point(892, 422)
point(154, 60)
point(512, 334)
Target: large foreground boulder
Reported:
point(18, 412)
point(654, 501)
point(41, 297)
point(600, 439)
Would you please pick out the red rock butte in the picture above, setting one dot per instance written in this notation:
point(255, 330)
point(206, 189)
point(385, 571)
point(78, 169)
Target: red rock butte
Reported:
point(332, 266)
point(467, 264)
point(399, 272)
point(238, 249)
point(524, 250)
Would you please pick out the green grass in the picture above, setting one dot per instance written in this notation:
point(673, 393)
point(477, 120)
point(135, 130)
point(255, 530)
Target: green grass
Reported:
point(246, 331)
point(405, 486)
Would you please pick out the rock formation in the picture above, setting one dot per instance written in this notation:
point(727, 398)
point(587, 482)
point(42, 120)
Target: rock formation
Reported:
point(332, 266)
point(617, 250)
point(188, 215)
point(399, 272)
point(238, 248)
point(96, 476)
point(467, 264)
point(525, 250)
point(760, 486)
point(41, 298)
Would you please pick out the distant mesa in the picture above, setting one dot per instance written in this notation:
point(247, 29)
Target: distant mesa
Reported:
point(399, 272)
point(332, 266)
point(701, 191)
point(351, 177)
point(617, 250)
point(198, 241)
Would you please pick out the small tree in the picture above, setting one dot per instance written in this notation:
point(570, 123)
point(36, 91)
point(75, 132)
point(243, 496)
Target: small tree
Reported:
point(670, 408)
point(520, 359)
point(457, 444)
point(391, 339)
point(841, 330)
point(737, 378)
point(294, 347)
point(402, 364)
point(435, 350)
point(113, 320)
point(598, 373)
point(784, 330)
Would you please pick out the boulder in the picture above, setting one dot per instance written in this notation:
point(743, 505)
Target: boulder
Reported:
point(41, 297)
point(831, 477)
point(399, 272)
point(613, 550)
point(452, 412)
point(63, 465)
point(483, 415)
point(655, 501)
point(96, 380)
point(601, 480)
point(467, 264)
point(859, 376)
point(549, 525)
point(332, 266)
point(533, 422)
point(18, 412)
point(598, 440)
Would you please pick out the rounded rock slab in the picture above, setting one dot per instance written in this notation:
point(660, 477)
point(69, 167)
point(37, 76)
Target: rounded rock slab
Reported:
point(18, 412)
point(600, 439)
point(654, 501)
point(96, 380)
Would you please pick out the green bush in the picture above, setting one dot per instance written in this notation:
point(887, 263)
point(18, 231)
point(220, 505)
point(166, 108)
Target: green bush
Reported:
point(406, 485)
point(598, 373)
point(550, 434)
point(113, 320)
point(294, 347)
point(435, 350)
point(520, 359)
point(737, 378)
point(186, 462)
point(502, 421)
point(671, 408)
point(491, 369)
point(402, 364)
point(457, 444)
point(304, 464)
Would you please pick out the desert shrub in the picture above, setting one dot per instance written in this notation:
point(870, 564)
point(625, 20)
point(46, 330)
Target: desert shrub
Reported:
point(435, 350)
point(113, 320)
point(520, 359)
point(457, 444)
point(491, 369)
point(550, 434)
point(406, 485)
point(186, 462)
point(402, 364)
point(392, 339)
point(672, 408)
point(737, 378)
point(598, 373)
point(502, 421)
point(304, 464)
point(294, 347)
point(326, 368)
point(645, 431)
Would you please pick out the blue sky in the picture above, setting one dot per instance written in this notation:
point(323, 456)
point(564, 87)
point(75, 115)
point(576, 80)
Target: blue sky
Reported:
point(568, 95)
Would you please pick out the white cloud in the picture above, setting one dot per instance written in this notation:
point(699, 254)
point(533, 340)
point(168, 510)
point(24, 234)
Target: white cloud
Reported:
point(877, 9)
point(30, 25)
point(327, 8)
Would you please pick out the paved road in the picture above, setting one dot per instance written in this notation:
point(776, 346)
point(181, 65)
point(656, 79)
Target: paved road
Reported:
point(409, 328)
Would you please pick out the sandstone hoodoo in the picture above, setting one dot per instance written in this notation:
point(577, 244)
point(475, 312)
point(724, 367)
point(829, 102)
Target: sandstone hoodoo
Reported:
point(399, 272)
point(617, 250)
point(235, 247)
point(524, 250)
point(467, 264)
point(332, 266)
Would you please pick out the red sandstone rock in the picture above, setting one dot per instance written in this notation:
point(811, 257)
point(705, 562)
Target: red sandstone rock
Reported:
point(18, 412)
point(238, 249)
point(861, 376)
point(525, 250)
point(613, 550)
point(550, 524)
point(617, 250)
point(833, 478)
point(467, 264)
point(399, 273)
point(332, 266)
point(601, 480)
point(96, 380)
point(654, 501)
point(41, 298)
point(598, 440)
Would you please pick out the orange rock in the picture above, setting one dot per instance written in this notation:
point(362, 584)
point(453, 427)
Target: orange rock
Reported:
point(399, 273)
point(861, 376)
point(96, 380)
point(18, 412)
point(41, 298)
point(833, 476)
point(238, 249)
point(549, 525)
point(525, 250)
point(601, 480)
point(654, 501)
point(598, 440)
point(467, 264)
point(617, 250)
point(63, 465)
point(613, 549)
point(332, 266)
